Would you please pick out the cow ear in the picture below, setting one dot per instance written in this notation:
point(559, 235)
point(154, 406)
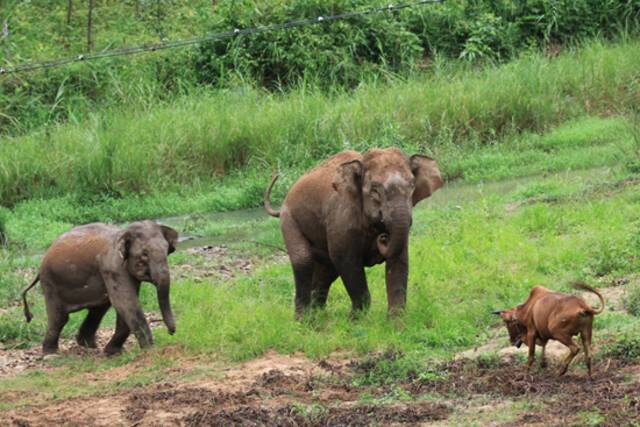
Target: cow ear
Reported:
point(427, 174)
point(348, 177)
point(171, 236)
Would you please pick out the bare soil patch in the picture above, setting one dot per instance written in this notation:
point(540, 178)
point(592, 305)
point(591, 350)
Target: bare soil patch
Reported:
point(221, 262)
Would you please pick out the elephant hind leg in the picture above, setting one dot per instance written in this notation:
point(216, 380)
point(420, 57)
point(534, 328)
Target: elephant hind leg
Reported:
point(323, 276)
point(57, 317)
point(87, 334)
point(119, 337)
point(299, 250)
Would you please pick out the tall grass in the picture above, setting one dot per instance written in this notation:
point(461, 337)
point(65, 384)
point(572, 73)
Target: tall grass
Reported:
point(200, 139)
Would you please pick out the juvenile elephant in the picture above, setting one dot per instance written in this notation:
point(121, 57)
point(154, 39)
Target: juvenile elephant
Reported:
point(97, 265)
point(352, 211)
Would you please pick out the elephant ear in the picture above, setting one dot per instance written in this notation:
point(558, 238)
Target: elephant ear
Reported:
point(348, 177)
point(171, 236)
point(428, 178)
point(123, 244)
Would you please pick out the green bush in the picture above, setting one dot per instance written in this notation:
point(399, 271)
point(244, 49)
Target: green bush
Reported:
point(341, 52)
point(4, 215)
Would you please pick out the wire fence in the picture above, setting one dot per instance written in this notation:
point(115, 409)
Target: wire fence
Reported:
point(133, 50)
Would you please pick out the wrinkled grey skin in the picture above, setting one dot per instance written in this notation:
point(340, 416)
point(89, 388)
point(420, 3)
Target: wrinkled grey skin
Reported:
point(350, 212)
point(96, 266)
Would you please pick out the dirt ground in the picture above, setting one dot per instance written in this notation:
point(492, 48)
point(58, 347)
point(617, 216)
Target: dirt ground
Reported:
point(278, 390)
point(274, 390)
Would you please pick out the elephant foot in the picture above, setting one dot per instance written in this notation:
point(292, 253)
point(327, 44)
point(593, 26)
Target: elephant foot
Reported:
point(46, 351)
point(87, 342)
point(112, 351)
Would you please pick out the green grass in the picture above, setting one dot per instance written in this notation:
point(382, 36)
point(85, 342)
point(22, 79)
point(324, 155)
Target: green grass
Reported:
point(465, 262)
point(245, 134)
point(586, 143)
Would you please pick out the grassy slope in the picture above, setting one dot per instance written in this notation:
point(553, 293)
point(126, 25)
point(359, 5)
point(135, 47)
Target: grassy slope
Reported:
point(200, 138)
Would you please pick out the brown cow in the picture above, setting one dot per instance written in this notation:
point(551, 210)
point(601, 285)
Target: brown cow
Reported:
point(552, 315)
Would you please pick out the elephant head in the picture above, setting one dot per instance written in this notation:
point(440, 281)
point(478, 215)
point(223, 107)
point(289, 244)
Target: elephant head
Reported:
point(390, 184)
point(144, 247)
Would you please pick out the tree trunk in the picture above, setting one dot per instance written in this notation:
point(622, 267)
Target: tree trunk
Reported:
point(69, 11)
point(90, 26)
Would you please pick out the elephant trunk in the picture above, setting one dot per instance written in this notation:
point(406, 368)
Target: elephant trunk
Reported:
point(393, 245)
point(397, 263)
point(162, 280)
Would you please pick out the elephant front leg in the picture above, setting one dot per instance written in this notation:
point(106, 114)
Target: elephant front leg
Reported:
point(397, 273)
point(119, 337)
point(123, 294)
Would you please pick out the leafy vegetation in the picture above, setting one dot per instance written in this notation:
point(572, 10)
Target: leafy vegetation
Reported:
point(332, 56)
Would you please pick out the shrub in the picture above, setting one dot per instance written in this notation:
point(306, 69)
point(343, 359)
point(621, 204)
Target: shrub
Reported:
point(340, 52)
point(627, 346)
point(632, 299)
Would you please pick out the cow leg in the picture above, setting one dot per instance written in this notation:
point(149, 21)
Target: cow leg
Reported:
point(585, 336)
point(543, 359)
point(573, 351)
point(531, 343)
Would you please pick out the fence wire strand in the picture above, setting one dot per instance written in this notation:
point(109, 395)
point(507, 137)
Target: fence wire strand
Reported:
point(133, 50)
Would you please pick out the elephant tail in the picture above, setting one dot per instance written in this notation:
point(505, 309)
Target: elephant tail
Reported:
point(27, 313)
point(267, 195)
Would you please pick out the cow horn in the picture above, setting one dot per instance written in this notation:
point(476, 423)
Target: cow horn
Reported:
point(498, 312)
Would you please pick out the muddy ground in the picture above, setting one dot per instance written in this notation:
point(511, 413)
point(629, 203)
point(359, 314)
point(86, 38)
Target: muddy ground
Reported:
point(278, 390)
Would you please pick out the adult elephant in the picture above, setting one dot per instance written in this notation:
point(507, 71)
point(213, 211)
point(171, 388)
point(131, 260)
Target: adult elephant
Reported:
point(352, 211)
point(97, 265)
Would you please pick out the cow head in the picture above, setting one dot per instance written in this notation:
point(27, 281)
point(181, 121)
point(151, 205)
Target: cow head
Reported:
point(517, 331)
